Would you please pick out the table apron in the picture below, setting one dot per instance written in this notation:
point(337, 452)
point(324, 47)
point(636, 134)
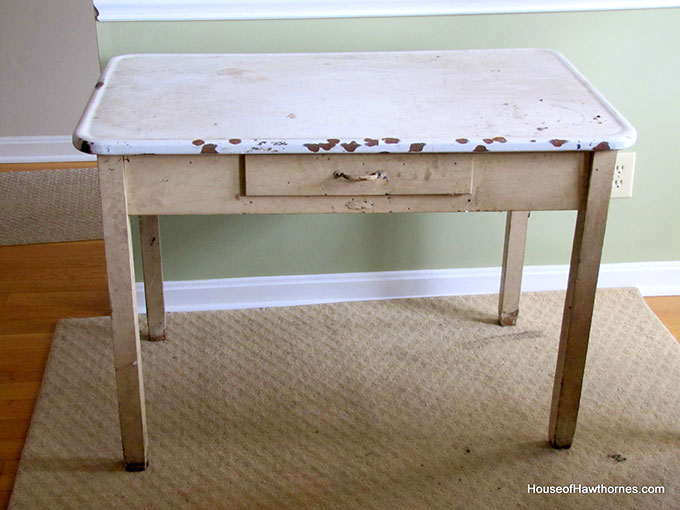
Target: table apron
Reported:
point(216, 184)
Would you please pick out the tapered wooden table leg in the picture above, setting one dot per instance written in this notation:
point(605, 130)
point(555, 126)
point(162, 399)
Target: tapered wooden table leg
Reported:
point(513, 263)
point(578, 308)
point(124, 326)
point(153, 276)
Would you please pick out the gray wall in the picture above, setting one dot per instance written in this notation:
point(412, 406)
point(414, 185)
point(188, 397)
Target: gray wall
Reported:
point(48, 63)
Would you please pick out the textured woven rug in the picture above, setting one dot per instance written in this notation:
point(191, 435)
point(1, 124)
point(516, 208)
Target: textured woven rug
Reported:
point(48, 206)
point(401, 404)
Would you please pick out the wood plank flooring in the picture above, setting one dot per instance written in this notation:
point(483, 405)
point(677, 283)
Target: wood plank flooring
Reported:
point(40, 284)
point(26, 167)
point(667, 308)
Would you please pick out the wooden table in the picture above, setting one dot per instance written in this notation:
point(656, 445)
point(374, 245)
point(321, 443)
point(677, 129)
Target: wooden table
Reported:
point(436, 131)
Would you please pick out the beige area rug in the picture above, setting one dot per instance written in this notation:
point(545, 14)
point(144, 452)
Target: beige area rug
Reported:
point(401, 404)
point(48, 206)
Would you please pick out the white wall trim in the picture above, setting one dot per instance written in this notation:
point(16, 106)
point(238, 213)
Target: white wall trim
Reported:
point(652, 278)
point(176, 10)
point(40, 149)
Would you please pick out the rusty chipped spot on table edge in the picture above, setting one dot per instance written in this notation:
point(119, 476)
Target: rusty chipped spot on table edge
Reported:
point(332, 142)
point(351, 146)
point(85, 147)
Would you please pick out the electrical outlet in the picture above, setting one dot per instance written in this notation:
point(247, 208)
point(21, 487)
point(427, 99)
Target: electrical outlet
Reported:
point(622, 187)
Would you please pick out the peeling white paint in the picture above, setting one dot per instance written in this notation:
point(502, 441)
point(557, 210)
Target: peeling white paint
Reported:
point(397, 102)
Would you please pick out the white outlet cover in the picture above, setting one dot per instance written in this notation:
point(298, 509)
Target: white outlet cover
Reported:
point(622, 187)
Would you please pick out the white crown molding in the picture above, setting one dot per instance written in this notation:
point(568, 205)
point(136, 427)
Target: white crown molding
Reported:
point(40, 149)
point(176, 10)
point(652, 278)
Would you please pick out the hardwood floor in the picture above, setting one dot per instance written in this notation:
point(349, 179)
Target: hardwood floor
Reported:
point(40, 284)
point(27, 167)
point(667, 308)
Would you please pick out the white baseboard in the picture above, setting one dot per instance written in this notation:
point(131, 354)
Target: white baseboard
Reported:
point(652, 278)
point(40, 149)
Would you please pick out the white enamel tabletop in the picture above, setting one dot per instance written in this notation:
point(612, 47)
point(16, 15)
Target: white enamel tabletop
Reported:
point(432, 101)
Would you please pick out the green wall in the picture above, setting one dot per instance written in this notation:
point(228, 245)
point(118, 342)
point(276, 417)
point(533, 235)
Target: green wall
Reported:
point(631, 56)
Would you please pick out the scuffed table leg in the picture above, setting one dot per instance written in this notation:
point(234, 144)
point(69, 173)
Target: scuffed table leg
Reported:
point(153, 276)
point(124, 326)
point(513, 263)
point(578, 307)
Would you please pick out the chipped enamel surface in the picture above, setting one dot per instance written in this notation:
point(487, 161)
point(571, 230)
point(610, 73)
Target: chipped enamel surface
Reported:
point(316, 103)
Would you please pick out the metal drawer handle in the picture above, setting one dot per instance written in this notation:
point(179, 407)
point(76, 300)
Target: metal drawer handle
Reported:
point(373, 176)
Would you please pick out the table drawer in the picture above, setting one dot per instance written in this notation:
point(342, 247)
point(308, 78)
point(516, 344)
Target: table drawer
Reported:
point(358, 174)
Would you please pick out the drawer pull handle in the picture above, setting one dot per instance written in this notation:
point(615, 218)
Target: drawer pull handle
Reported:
point(373, 176)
